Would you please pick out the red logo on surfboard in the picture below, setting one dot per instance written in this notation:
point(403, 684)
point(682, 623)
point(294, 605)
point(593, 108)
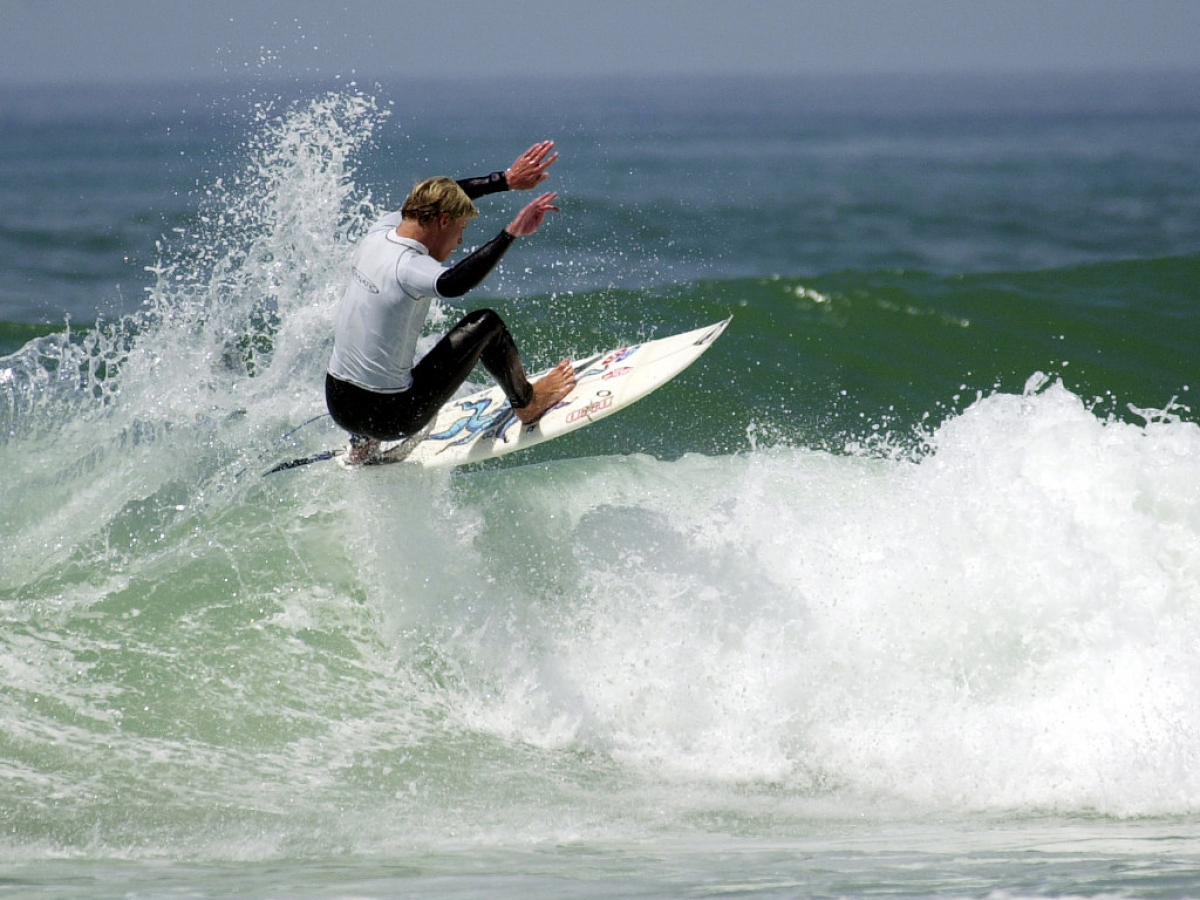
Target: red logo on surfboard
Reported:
point(616, 373)
point(587, 411)
point(617, 355)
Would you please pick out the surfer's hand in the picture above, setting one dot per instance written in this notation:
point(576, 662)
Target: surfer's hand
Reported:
point(529, 170)
point(530, 219)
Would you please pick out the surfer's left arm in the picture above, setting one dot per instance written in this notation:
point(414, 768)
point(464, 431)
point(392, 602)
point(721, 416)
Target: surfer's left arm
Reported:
point(466, 274)
point(527, 171)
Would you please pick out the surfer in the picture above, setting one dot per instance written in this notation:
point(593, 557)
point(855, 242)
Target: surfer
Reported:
point(373, 389)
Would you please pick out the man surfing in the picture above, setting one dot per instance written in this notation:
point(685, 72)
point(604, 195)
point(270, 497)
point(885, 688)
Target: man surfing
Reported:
point(373, 388)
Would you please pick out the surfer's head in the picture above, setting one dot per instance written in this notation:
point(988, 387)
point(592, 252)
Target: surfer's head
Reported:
point(435, 197)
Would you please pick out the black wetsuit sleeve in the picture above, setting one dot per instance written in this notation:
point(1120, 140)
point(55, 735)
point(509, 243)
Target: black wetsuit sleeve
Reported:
point(467, 273)
point(485, 184)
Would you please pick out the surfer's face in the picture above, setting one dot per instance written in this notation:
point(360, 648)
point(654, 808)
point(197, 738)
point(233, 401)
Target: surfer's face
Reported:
point(449, 235)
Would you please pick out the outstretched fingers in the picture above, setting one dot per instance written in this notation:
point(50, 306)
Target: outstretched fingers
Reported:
point(530, 218)
point(529, 169)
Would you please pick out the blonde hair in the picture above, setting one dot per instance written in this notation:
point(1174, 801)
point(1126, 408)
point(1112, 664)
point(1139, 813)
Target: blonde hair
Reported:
point(438, 196)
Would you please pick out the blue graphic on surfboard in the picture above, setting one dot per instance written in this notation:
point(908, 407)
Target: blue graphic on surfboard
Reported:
point(483, 426)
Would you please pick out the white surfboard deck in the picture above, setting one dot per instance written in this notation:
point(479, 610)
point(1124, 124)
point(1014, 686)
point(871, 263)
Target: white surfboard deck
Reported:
point(483, 425)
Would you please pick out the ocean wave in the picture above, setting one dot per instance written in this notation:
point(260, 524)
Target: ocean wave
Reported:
point(898, 538)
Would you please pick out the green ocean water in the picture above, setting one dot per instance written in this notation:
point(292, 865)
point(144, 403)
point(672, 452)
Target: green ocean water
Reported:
point(894, 593)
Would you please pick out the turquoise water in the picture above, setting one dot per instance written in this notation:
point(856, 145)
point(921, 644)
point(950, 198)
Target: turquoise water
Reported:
point(894, 593)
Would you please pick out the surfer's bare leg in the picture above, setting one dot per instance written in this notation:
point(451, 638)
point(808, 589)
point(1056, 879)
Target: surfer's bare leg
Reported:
point(547, 391)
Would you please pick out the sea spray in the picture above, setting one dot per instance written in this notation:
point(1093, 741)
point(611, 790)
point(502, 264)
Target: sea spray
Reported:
point(225, 354)
point(265, 263)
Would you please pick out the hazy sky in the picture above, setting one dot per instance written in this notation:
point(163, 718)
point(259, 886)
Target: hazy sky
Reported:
point(227, 40)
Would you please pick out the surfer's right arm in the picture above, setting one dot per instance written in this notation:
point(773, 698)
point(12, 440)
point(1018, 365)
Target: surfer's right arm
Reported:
point(527, 171)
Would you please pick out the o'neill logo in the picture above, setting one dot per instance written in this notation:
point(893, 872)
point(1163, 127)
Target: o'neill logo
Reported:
point(363, 280)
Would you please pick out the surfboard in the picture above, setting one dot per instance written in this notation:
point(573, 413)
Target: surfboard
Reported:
point(483, 425)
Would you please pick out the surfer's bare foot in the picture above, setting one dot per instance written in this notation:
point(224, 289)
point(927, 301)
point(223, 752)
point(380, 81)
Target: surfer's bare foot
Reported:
point(361, 451)
point(547, 391)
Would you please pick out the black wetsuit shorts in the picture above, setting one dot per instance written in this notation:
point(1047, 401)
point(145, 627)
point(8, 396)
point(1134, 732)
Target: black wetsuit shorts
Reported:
point(479, 337)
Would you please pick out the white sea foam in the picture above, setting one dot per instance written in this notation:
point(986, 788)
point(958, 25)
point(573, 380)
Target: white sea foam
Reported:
point(1008, 623)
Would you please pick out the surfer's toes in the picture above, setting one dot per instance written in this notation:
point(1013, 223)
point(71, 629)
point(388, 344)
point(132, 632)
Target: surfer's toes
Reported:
point(563, 378)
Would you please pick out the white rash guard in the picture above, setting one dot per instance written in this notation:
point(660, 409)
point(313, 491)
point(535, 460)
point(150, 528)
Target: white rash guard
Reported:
point(383, 309)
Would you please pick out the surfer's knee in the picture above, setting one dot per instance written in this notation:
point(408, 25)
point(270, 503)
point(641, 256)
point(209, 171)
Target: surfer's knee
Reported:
point(483, 321)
